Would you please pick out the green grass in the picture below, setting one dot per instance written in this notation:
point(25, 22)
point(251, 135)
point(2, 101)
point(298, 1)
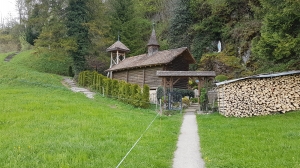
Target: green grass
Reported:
point(44, 124)
point(45, 61)
point(266, 141)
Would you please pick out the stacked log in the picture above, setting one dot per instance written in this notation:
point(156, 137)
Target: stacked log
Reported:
point(259, 96)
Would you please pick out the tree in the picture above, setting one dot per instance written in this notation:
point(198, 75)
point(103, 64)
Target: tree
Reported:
point(76, 19)
point(134, 30)
point(280, 34)
point(180, 24)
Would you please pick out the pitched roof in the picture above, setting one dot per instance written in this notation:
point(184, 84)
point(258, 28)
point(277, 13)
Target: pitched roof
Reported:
point(117, 46)
point(152, 40)
point(260, 76)
point(159, 58)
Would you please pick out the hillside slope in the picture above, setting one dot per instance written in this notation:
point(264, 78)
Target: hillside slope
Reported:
point(44, 124)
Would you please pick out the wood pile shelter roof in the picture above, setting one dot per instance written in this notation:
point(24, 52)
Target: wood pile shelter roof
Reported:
point(186, 73)
point(259, 76)
point(118, 46)
point(159, 58)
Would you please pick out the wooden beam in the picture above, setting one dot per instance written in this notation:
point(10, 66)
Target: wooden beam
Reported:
point(176, 81)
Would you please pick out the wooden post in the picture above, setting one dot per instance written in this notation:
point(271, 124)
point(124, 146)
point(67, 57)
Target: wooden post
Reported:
point(117, 57)
point(143, 76)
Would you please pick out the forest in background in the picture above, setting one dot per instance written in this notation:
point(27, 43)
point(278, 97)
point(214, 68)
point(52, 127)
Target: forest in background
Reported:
point(257, 36)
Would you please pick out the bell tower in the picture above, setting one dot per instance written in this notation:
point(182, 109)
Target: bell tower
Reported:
point(117, 54)
point(152, 45)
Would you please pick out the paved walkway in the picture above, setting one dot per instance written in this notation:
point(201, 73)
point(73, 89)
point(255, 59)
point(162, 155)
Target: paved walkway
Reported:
point(188, 153)
point(74, 88)
point(9, 57)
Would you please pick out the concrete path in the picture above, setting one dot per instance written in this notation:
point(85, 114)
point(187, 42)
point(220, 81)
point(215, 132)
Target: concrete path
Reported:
point(188, 153)
point(74, 88)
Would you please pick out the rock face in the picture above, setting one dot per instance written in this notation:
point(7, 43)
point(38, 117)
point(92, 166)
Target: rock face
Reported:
point(246, 56)
point(221, 68)
point(220, 63)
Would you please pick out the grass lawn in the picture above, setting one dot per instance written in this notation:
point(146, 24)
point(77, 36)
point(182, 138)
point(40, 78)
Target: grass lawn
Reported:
point(44, 124)
point(266, 141)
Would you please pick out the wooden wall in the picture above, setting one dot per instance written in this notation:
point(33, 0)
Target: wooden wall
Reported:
point(140, 76)
point(179, 64)
point(147, 75)
point(151, 79)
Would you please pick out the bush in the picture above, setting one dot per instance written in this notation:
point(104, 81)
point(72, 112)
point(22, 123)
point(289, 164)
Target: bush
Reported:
point(71, 73)
point(145, 103)
point(182, 92)
point(185, 92)
point(194, 100)
point(126, 92)
point(186, 101)
point(221, 78)
point(203, 98)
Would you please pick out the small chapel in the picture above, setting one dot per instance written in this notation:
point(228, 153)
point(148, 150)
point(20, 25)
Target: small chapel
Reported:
point(142, 69)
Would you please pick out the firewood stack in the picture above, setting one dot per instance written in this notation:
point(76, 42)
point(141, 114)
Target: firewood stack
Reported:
point(259, 96)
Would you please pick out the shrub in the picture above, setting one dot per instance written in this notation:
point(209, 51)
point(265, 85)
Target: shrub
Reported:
point(203, 98)
point(221, 78)
point(145, 103)
point(114, 88)
point(130, 93)
point(159, 93)
point(185, 92)
point(194, 100)
point(186, 101)
point(70, 72)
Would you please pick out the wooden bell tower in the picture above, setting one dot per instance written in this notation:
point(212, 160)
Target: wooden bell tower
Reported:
point(117, 54)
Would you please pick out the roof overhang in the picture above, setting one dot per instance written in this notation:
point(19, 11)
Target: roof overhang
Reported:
point(259, 76)
point(186, 73)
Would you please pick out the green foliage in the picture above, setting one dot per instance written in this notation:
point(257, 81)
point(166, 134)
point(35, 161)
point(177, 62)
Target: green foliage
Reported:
point(186, 101)
point(126, 92)
point(194, 100)
point(179, 25)
point(70, 72)
point(115, 88)
point(145, 102)
point(221, 78)
point(35, 24)
point(76, 19)
point(159, 92)
point(280, 36)
point(182, 92)
point(203, 98)
point(46, 61)
point(134, 30)
point(226, 65)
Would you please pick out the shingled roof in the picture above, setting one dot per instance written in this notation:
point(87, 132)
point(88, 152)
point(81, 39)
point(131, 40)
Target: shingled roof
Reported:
point(117, 46)
point(159, 58)
point(152, 40)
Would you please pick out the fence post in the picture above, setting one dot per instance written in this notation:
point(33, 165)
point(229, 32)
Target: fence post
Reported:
point(102, 91)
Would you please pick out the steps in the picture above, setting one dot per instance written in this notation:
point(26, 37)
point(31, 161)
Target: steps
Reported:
point(194, 107)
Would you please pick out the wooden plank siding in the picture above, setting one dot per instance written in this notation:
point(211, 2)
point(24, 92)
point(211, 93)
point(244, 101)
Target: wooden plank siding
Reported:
point(145, 75)
point(179, 64)
point(151, 79)
point(120, 75)
point(136, 76)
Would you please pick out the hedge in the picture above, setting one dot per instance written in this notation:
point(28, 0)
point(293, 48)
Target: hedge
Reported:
point(121, 90)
